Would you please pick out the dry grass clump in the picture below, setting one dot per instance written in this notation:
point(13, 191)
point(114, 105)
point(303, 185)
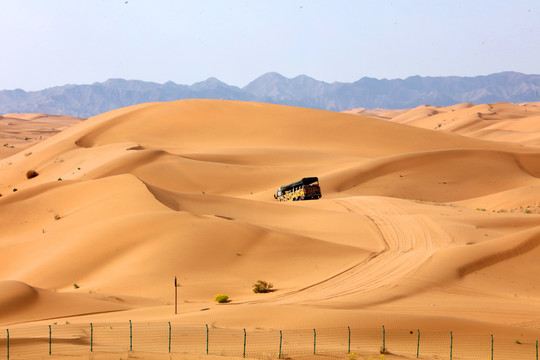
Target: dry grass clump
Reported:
point(262, 286)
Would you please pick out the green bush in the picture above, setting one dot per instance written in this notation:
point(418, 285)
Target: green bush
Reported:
point(221, 298)
point(262, 287)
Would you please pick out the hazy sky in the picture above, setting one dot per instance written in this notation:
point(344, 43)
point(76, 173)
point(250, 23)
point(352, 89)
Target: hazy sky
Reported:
point(46, 43)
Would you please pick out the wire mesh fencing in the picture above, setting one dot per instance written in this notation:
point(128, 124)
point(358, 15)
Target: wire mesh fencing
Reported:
point(24, 342)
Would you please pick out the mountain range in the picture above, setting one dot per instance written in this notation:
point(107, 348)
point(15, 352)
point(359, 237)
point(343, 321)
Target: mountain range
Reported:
point(304, 91)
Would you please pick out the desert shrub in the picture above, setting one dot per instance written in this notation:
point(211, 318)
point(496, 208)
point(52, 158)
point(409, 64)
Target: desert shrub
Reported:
point(31, 174)
point(262, 286)
point(76, 286)
point(221, 298)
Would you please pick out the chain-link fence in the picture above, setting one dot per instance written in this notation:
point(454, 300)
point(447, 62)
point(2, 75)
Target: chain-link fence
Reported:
point(24, 342)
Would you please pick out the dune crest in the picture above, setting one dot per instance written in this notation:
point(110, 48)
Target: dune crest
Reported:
point(14, 294)
point(20, 302)
point(505, 122)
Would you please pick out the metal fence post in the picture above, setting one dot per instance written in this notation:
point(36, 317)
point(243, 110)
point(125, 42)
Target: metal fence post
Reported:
point(491, 346)
point(170, 337)
point(206, 339)
point(451, 343)
point(349, 346)
point(383, 340)
point(50, 339)
point(91, 337)
point(280, 340)
point(130, 337)
point(418, 345)
point(244, 343)
point(7, 330)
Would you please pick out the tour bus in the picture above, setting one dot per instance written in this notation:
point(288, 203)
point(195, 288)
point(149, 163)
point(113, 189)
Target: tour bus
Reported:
point(305, 189)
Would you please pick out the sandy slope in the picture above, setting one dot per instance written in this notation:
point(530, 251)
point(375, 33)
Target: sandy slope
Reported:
point(21, 131)
point(20, 301)
point(416, 228)
point(515, 123)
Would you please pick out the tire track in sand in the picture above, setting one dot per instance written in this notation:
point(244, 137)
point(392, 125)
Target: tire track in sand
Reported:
point(411, 239)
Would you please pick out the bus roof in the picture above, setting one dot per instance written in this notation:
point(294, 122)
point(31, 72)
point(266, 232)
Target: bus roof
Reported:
point(304, 181)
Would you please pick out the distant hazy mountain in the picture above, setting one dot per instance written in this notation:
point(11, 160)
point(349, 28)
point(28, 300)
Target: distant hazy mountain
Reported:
point(89, 100)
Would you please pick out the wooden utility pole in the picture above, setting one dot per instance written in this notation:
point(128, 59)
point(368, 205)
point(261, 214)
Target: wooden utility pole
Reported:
point(176, 286)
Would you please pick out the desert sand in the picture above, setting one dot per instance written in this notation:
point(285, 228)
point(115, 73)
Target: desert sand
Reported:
point(429, 219)
point(21, 131)
point(515, 123)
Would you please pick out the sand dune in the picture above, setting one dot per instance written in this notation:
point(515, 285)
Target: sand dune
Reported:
point(513, 123)
point(20, 302)
point(21, 131)
point(425, 225)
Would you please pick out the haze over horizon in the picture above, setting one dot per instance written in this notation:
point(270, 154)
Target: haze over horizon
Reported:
point(62, 42)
